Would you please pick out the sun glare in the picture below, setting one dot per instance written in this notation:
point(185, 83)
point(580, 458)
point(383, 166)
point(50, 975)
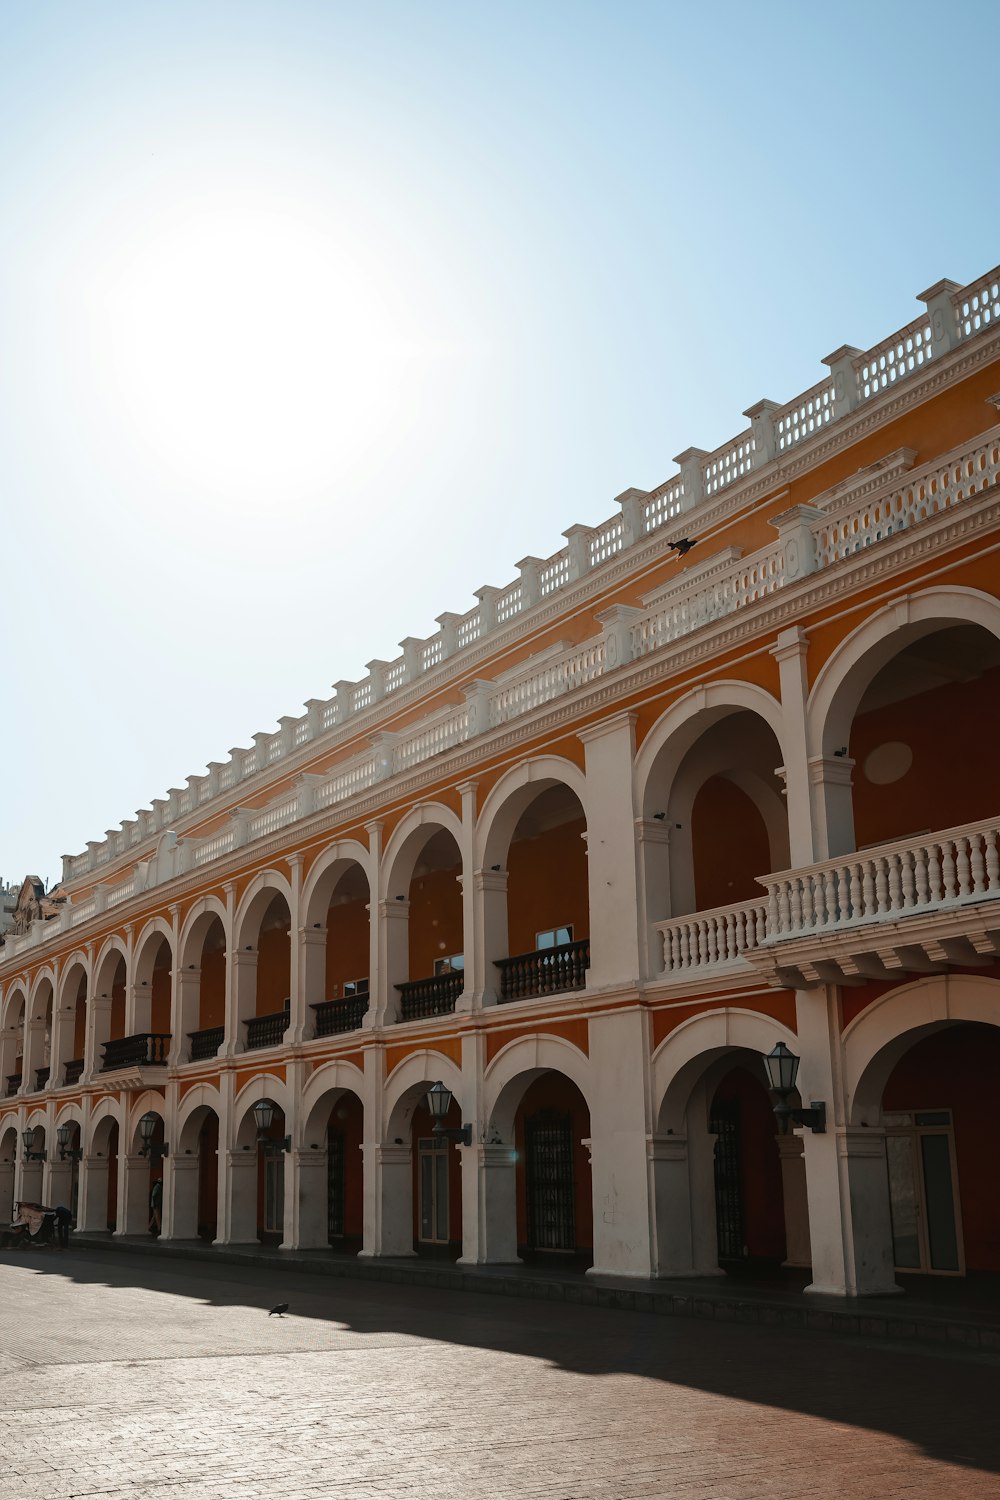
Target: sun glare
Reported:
point(258, 354)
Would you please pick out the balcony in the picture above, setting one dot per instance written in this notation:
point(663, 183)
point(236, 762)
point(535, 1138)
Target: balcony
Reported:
point(267, 1031)
point(420, 998)
point(13, 1084)
point(206, 1043)
point(922, 905)
point(147, 1049)
point(41, 1079)
point(74, 1071)
point(547, 971)
point(336, 1016)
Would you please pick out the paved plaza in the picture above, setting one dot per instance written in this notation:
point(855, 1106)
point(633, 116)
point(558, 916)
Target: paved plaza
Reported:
point(125, 1376)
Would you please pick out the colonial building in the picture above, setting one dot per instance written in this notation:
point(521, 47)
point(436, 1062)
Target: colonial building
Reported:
point(719, 774)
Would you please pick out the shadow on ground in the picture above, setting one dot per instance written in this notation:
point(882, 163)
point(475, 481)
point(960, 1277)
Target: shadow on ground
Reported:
point(942, 1403)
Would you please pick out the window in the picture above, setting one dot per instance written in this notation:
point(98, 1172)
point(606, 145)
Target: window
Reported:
point(553, 937)
point(356, 987)
point(454, 964)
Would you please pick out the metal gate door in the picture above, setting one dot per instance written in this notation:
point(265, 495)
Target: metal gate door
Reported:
point(725, 1126)
point(335, 1184)
point(548, 1138)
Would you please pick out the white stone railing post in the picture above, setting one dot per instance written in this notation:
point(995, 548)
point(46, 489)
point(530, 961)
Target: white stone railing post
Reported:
point(690, 463)
point(841, 364)
point(305, 794)
point(940, 304)
point(487, 596)
point(411, 646)
point(765, 436)
point(449, 623)
point(531, 588)
point(616, 632)
point(343, 691)
point(795, 532)
point(477, 695)
point(578, 539)
point(631, 502)
point(377, 669)
point(383, 744)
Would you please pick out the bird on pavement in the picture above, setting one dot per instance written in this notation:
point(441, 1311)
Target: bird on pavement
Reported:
point(281, 1309)
point(682, 546)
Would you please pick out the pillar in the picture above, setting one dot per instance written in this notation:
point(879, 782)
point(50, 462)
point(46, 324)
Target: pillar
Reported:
point(609, 749)
point(93, 1211)
point(490, 942)
point(133, 1194)
point(179, 1219)
point(790, 653)
point(467, 849)
point(299, 1017)
point(793, 1189)
point(847, 1184)
point(312, 976)
point(394, 958)
point(394, 1199)
point(619, 1129)
point(239, 1226)
point(305, 1199)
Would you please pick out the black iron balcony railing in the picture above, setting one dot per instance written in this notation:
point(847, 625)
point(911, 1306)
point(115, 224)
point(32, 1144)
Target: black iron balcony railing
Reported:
point(430, 997)
point(548, 971)
point(74, 1070)
point(333, 1016)
point(267, 1031)
point(206, 1043)
point(148, 1049)
point(13, 1084)
point(41, 1078)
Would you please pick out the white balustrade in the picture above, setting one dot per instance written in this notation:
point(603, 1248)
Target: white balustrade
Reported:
point(270, 819)
point(712, 937)
point(354, 778)
point(883, 884)
point(978, 305)
point(215, 847)
point(605, 541)
point(663, 505)
point(544, 683)
point(727, 464)
point(893, 359)
point(447, 732)
point(806, 415)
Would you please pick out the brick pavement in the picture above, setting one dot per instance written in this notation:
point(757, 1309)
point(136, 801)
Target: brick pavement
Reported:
point(124, 1377)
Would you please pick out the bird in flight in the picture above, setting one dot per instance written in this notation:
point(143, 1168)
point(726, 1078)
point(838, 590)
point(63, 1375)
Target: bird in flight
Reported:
point(281, 1309)
point(684, 544)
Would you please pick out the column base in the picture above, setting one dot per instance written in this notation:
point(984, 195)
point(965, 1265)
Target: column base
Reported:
point(470, 1260)
point(387, 1255)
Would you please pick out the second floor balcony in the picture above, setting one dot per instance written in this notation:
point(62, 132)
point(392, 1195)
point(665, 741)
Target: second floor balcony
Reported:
point(546, 971)
point(148, 1049)
point(422, 998)
point(915, 906)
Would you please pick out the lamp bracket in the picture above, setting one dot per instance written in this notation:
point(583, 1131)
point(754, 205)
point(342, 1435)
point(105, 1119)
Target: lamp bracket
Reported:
point(462, 1134)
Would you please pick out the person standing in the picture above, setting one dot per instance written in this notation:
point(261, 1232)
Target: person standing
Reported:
point(64, 1223)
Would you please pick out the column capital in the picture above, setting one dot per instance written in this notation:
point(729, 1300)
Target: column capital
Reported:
point(614, 724)
point(792, 642)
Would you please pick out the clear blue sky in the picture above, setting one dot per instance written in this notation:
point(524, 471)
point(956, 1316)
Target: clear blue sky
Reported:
point(316, 317)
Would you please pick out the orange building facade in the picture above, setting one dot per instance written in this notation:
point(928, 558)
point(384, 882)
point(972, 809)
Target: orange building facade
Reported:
point(583, 857)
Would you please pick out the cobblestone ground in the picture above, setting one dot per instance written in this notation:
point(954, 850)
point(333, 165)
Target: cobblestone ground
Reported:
point(124, 1377)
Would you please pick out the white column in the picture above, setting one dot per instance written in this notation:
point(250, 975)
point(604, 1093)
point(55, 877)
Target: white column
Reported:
point(790, 653)
point(376, 939)
point(241, 1216)
point(653, 845)
point(619, 1127)
point(232, 1042)
point(373, 1093)
point(180, 1197)
point(394, 958)
point(98, 1023)
point(831, 777)
point(489, 1205)
point(306, 1196)
point(224, 1200)
point(93, 1212)
point(613, 885)
point(467, 849)
point(6, 1191)
point(489, 901)
point(847, 1185)
point(179, 1043)
point(669, 1186)
point(795, 1198)
point(186, 1012)
point(394, 1187)
point(299, 1018)
point(133, 1194)
point(242, 966)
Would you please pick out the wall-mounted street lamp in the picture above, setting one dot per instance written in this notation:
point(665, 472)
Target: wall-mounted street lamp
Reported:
point(263, 1113)
point(147, 1126)
point(66, 1151)
point(439, 1103)
point(30, 1154)
point(782, 1068)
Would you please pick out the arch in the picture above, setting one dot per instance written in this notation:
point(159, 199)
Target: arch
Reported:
point(518, 1064)
point(679, 726)
point(150, 1101)
point(69, 1114)
point(194, 927)
point(691, 1048)
point(841, 681)
point(145, 950)
point(77, 960)
point(329, 1080)
point(513, 793)
point(37, 1120)
point(408, 1083)
point(44, 975)
point(107, 1109)
point(408, 838)
point(252, 908)
point(877, 1038)
point(8, 1141)
point(17, 992)
point(112, 944)
point(261, 1086)
point(326, 871)
point(204, 1096)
